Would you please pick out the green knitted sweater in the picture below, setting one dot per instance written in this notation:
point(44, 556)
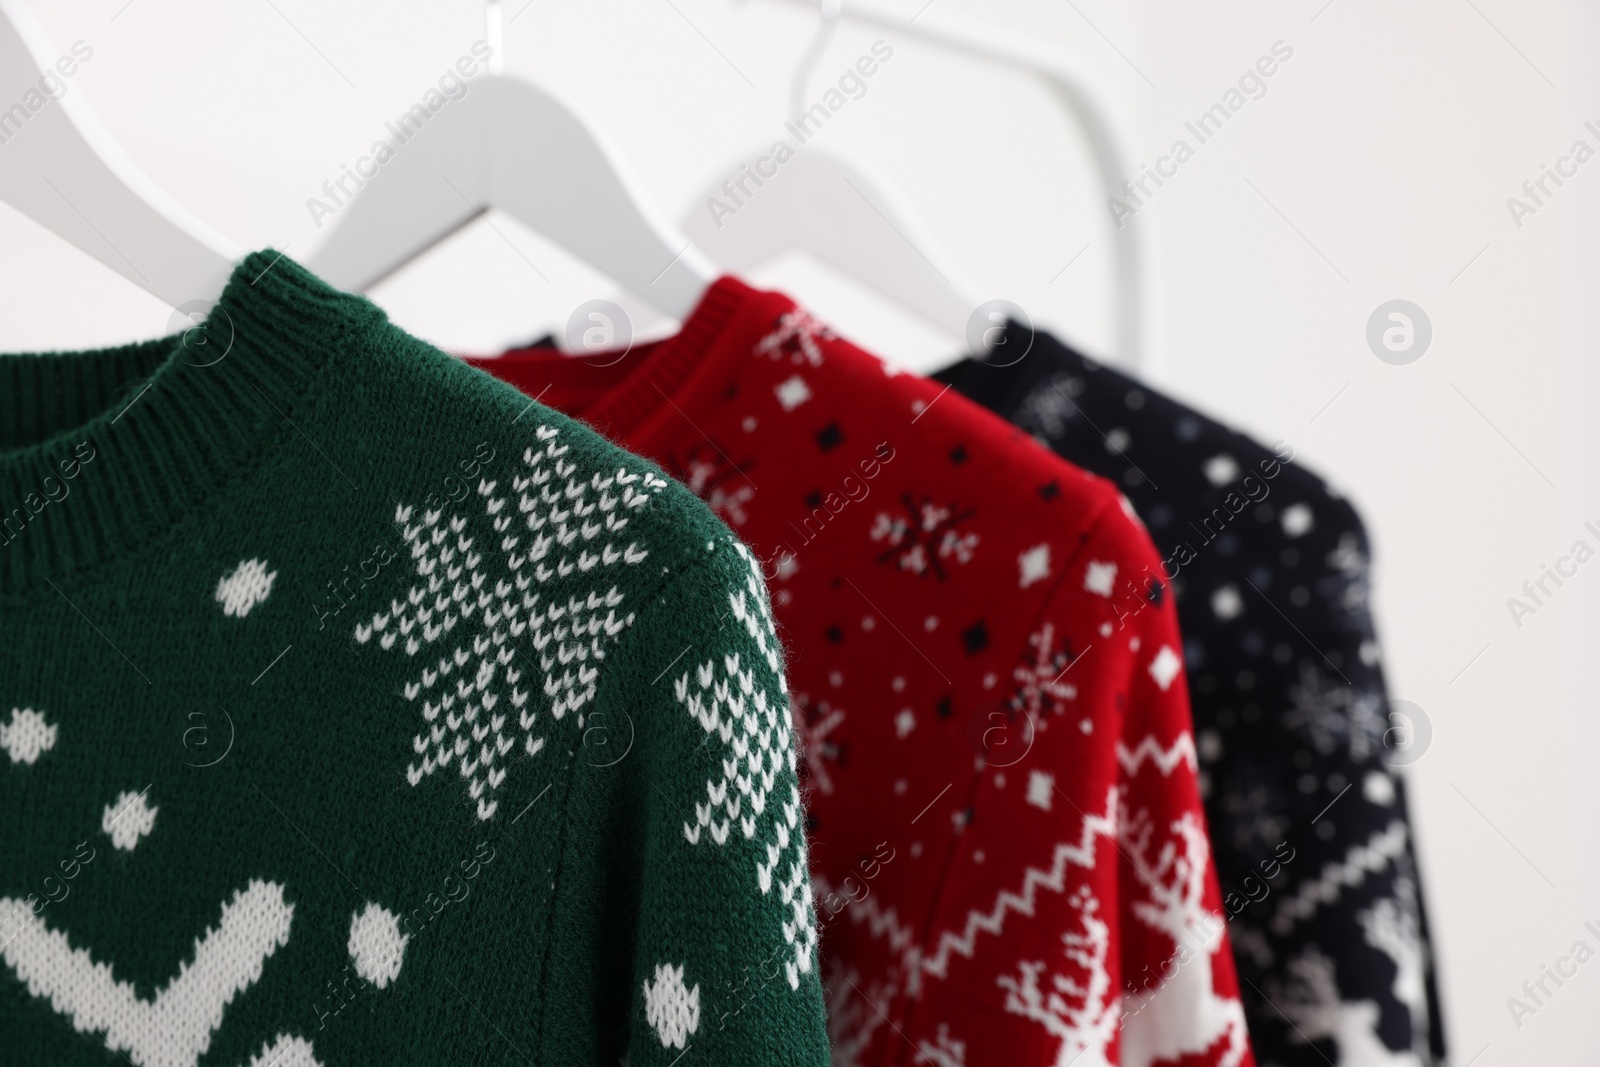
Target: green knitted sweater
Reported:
point(355, 710)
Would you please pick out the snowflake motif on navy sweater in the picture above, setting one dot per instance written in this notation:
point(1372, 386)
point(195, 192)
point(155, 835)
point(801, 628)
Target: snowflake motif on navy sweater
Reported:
point(474, 703)
point(1040, 690)
point(706, 469)
point(757, 748)
point(925, 538)
point(1254, 818)
point(795, 337)
point(1350, 577)
point(1048, 410)
point(1335, 715)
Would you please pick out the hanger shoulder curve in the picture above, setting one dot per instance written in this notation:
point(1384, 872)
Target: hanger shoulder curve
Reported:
point(511, 145)
point(841, 209)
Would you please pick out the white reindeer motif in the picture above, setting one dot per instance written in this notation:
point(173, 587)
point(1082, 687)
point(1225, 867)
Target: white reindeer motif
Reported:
point(1311, 1002)
point(1183, 1015)
point(1081, 1011)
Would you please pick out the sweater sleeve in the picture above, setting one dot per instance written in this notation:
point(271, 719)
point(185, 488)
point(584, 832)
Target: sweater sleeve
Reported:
point(1181, 996)
point(698, 875)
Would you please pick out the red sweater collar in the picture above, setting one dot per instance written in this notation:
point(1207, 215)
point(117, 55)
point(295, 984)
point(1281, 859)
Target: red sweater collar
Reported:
point(629, 397)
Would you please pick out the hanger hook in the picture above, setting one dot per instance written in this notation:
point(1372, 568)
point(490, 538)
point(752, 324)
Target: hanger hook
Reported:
point(494, 35)
point(829, 11)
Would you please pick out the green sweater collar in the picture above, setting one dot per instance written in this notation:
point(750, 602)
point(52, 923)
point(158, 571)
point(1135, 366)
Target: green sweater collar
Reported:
point(103, 451)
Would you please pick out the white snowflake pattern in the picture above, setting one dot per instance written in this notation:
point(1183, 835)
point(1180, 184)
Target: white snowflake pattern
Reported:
point(1333, 714)
point(756, 736)
point(1352, 589)
point(1050, 408)
point(1039, 688)
point(563, 524)
point(1253, 817)
point(795, 336)
point(925, 538)
point(813, 722)
point(1378, 788)
point(1227, 603)
point(1297, 520)
point(717, 480)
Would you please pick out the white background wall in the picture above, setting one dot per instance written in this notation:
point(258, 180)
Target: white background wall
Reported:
point(1377, 166)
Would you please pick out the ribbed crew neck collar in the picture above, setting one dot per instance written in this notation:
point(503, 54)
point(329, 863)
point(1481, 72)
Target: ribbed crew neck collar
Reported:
point(624, 397)
point(102, 451)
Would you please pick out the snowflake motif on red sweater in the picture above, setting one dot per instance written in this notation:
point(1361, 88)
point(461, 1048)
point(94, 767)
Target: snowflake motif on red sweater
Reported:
point(813, 722)
point(1040, 690)
point(705, 468)
point(925, 538)
point(795, 336)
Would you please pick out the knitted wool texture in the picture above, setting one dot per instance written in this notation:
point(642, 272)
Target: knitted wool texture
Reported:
point(1008, 842)
point(359, 711)
point(1269, 568)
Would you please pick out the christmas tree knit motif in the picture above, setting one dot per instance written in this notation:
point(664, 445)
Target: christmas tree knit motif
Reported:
point(561, 524)
point(754, 730)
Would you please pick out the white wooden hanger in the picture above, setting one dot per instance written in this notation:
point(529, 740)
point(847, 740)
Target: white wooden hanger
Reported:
point(61, 168)
point(839, 208)
point(510, 145)
point(1091, 107)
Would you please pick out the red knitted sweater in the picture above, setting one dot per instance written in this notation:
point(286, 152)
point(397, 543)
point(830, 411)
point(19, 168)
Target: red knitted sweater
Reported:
point(1010, 857)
